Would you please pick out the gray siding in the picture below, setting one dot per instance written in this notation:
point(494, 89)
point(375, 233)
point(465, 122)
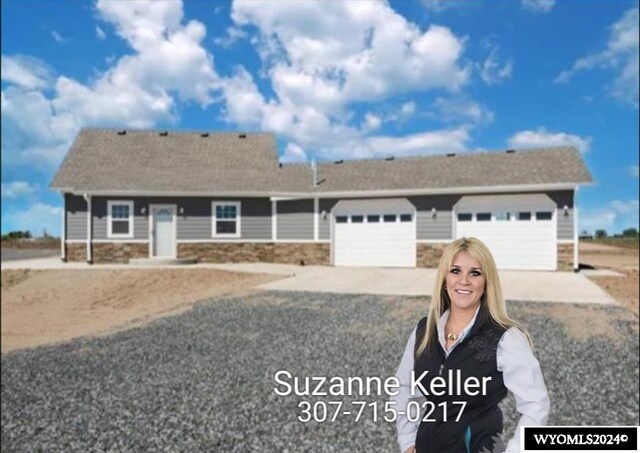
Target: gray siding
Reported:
point(295, 219)
point(195, 222)
point(565, 224)
point(324, 225)
point(75, 217)
point(441, 227)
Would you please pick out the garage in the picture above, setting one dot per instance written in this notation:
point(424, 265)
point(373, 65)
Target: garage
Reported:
point(520, 230)
point(374, 233)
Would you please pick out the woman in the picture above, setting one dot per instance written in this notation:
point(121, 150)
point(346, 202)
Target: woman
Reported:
point(464, 356)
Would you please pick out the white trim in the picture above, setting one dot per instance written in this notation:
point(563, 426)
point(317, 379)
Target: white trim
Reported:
point(63, 236)
point(89, 229)
point(316, 207)
point(344, 194)
point(251, 241)
point(215, 203)
point(565, 241)
point(108, 241)
point(576, 235)
point(274, 220)
point(434, 241)
point(174, 210)
point(110, 233)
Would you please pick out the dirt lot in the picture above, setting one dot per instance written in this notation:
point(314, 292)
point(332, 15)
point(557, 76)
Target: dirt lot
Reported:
point(42, 307)
point(619, 259)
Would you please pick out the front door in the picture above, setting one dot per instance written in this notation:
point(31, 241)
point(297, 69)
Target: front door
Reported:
point(163, 231)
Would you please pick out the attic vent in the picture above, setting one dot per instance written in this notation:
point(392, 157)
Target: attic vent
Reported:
point(389, 158)
point(510, 151)
point(122, 132)
point(451, 154)
point(339, 161)
point(242, 135)
point(204, 134)
point(164, 134)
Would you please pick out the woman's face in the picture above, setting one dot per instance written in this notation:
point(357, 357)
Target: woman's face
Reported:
point(465, 282)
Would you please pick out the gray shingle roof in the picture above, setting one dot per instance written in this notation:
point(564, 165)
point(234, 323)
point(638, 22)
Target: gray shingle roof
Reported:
point(103, 160)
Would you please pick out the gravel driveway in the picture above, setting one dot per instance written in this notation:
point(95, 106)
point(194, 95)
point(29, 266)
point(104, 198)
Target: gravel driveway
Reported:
point(203, 380)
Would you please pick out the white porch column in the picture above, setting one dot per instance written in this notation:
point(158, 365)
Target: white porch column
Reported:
point(63, 231)
point(576, 244)
point(89, 232)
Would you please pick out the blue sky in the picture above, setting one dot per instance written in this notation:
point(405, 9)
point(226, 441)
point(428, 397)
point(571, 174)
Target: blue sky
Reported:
point(331, 79)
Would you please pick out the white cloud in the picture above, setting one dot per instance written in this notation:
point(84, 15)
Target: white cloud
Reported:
point(620, 55)
point(233, 34)
point(100, 34)
point(541, 138)
point(491, 70)
point(437, 6)
point(371, 122)
point(36, 219)
point(27, 72)
point(328, 54)
point(57, 37)
point(538, 6)
point(615, 217)
point(463, 109)
point(633, 171)
point(408, 108)
point(17, 189)
point(293, 153)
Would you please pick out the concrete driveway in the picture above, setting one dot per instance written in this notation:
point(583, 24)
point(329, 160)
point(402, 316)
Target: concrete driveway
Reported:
point(568, 287)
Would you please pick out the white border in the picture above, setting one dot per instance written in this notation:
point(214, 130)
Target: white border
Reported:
point(213, 219)
point(110, 233)
point(173, 209)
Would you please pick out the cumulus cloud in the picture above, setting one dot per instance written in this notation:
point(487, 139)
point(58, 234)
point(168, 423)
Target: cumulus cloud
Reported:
point(463, 109)
point(100, 34)
point(616, 216)
point(541, 138)
point(293, 153)
point(371, 122)
point(26, 72)
point(57, 37)
point(492, 71)
point(538, 6)
point(36, 219)
point(17, 189)
point(233, 34)
point(619, 56)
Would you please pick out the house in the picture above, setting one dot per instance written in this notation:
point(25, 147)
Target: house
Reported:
point(224, 197)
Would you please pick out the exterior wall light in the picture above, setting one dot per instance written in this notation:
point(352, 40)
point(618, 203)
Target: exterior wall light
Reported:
point(434, 213)
point(324, 215)
point(181, 209)
point(565, 211)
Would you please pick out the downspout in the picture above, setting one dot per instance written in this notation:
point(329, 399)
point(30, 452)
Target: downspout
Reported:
point(576, 245)
point(87, 197)
point(63, 231)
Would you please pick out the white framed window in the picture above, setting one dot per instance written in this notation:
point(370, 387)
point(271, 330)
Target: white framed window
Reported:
point(120, 219)
point(225, 219)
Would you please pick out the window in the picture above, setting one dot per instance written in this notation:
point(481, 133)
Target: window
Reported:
point(464, 217)
point(226, 219)
point(405, 217)
point(389, 217)
point(357, 218)
point(483, 216)
point(373, 218)
point(543, 215)
point(503, 216)
point(524, 215)
point(120, 219)
point(341, 219)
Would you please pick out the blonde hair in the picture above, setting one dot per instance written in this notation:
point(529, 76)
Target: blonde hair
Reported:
point(492, 296)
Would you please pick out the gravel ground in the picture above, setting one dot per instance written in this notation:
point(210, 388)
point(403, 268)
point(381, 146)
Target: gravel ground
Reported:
point(9, 254)
point(203, 380)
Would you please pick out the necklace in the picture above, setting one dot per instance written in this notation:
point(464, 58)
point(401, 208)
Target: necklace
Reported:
point(452, 336)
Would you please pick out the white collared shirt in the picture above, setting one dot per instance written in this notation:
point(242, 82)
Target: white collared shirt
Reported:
point(520, 372)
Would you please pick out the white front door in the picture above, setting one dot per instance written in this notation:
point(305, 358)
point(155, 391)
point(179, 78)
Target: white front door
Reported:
point(163, 231)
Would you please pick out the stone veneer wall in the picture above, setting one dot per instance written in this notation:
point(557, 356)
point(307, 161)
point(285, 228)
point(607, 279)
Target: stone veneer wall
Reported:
point(565, 257)
point(112, 252)
point(269, 252)
point(428, 255)
point(76, 252)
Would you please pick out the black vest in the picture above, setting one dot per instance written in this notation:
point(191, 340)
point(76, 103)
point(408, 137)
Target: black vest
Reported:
point(481, 419)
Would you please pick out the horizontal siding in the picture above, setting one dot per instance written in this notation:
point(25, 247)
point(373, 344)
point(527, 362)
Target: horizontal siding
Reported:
point(295, 219)
point(195, 222)
point(75, 217)
point(324, 225)
point(440, 227)
point(565, 224)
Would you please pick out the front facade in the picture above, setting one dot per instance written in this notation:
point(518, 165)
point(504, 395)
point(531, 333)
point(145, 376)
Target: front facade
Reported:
point(526, 226)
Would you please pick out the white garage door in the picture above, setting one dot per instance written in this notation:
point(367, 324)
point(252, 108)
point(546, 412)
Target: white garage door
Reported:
point(374, 233)
point(520, 230)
